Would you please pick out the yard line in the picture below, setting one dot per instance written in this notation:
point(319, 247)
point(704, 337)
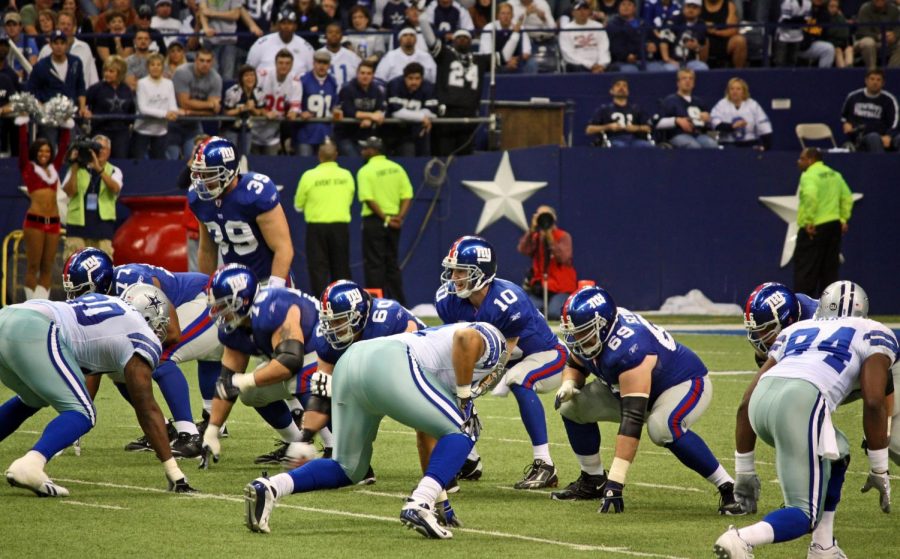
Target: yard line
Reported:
point(382, 494)
point(93, 505)
point(650, 485)
point(730, 373)
point(392, 520)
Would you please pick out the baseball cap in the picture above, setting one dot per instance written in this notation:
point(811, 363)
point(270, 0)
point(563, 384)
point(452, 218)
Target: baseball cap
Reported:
point(462, 33)
point(322, 56)
point(57, 34)
point(287, 15)
point(162, 3)
point(693, 3)
point(580, 4)
point(373, 142)
point(406, 31)
point(12, 16)
point(145, 11)
point(177, 43)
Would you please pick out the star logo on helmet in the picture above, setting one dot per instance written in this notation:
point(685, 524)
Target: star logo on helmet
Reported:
point(155, 302)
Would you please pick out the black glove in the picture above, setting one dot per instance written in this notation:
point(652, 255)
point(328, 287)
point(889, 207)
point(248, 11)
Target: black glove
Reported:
point(471, 424)
point(181, 486)
point(612, 497)
point(225, 389)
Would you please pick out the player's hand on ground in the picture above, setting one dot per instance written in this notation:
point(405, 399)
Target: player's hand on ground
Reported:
point(181, 486)
point(613, 501)
point(211, 447)
point(746, 491)
point(881, 483)
point(565, 393)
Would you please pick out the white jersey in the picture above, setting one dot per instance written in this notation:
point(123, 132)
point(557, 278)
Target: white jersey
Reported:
point(393, 63)
point(281, 97)
point(750, 112)
point(343, 65)
point(103, 332)
point(829, 353)
point(262, 53)
point(432, 348)
point(584, 45)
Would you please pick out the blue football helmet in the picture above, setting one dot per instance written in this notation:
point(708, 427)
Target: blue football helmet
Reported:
point(842, 299)
point(214, 166)
point(770, 308)
point(587, 320)
point(89, 270)
point(476, 257)
point(344, 313)
point(231, 292)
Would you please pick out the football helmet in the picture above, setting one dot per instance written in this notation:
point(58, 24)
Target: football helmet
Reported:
point(842, 299)
point(770, 308)
point(344, 312)
point(153, 305)
point(231, 292)
point(88, 270)
point(473, 255)
point(214, 166)
point(587, 320)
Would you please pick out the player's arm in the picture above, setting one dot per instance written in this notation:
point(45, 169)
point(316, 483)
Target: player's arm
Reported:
point(873, 382)
point(747, 485)
point(318, 409)
point(207, 252)
point(274, 227)
point(287, 356)
point(233, 362)
point(138, 375)
point(573, 378)
point(412, 326)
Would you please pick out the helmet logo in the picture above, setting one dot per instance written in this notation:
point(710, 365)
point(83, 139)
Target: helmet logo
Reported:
point(775, 301)
point(355, 297)
point(483, 254)
point(237, 283)
point(227, 154)
point(155, 302)
point(92, 263)
point(596, 300)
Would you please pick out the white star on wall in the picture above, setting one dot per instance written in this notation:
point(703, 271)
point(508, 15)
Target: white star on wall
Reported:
point(503, 196)
point(785, 207)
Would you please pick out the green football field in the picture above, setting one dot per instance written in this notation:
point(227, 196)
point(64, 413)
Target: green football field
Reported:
point(118, 504)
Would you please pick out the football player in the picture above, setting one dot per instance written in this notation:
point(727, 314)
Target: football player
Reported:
point(470, 291)
point(812, 368)
point(275, 323)
point(658, 381)
point(47, 345)
point(241, 214)
point(770, 308)
point(425, 380)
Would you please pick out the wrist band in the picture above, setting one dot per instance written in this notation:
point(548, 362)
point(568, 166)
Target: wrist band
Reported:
point(745, 463)
point(173, 472)
point(464, 391)
point(619, 470)
point(878, 460)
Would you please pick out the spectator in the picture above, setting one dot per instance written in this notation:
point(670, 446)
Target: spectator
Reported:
point(241, 101)
point(684, 118)
point(282, 94)
point(659, 13)
point(823, 211)
point(413, 13)
point(446, 16)
point(44, 82)
point(390, 15)
point(606, 9)
point(145, 17)
point(869, 36)
point(112, 97)
point(363, 39)
point(311, 20)
point(174, 59)
point(46, 25)
point(155, 99)
point(198, 90)
point(741, 121)
point(726, 44)
point(583, 42)
point(137, 62)
point(124, 7)
point(320, 92)
point(262, 53)
point(30, 13)
point(118, 43)
point(330, 7)
point(792, 43)
point(550, 249)
point(870, 116)
point(622, 123)
point(218, 21)
point(537, 15)
point(629, 37)
point(65, 23)
point(411, 98)
point(513, 46)
point(386, 194)
point(83, 23)
point(392, 64)
point(12, 23)
point(9, 85)
point(480, 13)
point(164, 23)
point(92, 192)
point(363, 100)
point(596, 15)
point(343, 61)
point(683, 44)
point(839, 36)
point(324, 196)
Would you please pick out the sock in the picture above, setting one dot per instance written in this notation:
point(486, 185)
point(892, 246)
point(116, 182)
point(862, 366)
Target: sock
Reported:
point(174, 388)
point(123, 390)
point(788, 524)
point(41, 292)
point(29, 293)
point(591, 465)
point(294, 404)
point(284, 484)
point(207, 375)
point(428, 491)
point(542, 452)
point(207, 406)
point(584, 438)
point(65, 429)
point(761, 533)
point(323, 473)
point(13, 414)
point(824, 532)
point(835, 484)
point(327, 437)
point(447, 458)
point(188, 427)
point(278, 415)
point(693, 453)
point(473, 454)
point(532, 413)
point(719, 477)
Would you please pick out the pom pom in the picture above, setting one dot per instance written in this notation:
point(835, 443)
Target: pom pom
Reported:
point(25, 103)
point(57, 111)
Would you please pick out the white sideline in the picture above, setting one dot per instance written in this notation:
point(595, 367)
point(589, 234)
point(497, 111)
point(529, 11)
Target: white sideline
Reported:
point(93, 505)
point(333, 512)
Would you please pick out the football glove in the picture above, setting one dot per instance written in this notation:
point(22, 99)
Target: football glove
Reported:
point(471, 424)
point(881, 483)
point(612, 498)
point(320, 384)
point(211, 446)
point(225, 388)
point(565, 393)
point(446, 516)
point(746, 491)
point(181, 486)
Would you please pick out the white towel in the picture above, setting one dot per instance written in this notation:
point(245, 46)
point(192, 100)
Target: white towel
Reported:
point(828, 447)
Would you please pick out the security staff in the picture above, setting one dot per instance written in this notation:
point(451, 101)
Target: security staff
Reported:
point(324, 195)
point(386, 194)
point(822, 214)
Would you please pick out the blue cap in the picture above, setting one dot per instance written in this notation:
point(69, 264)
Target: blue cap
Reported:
point(57, 34)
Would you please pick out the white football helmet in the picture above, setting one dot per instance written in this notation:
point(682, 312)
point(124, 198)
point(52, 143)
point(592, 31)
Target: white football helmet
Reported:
point(843, 299)
point(153, 305)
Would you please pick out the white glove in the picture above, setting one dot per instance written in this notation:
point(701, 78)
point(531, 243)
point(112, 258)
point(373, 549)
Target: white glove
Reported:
point(746, 491)
point(211, 446)
point(69, 124)
point(299, 453)
point(21, 119)
point(320, 384)
point(881, 483)
point(565, 393)
point(243, 381)
point(275, 281)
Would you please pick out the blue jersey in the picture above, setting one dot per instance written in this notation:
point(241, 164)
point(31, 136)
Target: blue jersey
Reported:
point(231, 222)
point(808, 306)
point(179, 287)
point(386, 318)
point(269, 311)
point(633, 338)
point(318, 98)
point(506, 307)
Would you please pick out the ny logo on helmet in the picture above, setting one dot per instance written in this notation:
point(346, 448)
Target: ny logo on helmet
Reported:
point(596, 301)
point(775, 301)
point(483, 254)
point(237, 283)
point(227, 154)
point(92, 263)
point(355, 297)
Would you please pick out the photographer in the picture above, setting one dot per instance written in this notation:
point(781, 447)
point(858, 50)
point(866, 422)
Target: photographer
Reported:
point(550, 249)
point(92, 185)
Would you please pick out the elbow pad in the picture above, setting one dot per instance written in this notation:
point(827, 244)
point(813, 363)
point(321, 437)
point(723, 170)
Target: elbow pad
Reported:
point(633, 410)
point(290, 354)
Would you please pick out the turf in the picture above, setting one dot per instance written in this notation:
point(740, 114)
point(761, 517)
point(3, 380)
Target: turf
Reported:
point(118, 505)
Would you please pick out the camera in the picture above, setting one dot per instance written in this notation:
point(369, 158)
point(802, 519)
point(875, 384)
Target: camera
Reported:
point(86, 147)
point(545, 221)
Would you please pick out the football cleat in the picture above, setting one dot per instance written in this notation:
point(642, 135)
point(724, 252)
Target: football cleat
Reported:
point(187, 446)
point(730, 545)
point(728, 505)
point(471, 470)
point(259, 500)
point(420, 517)
point(25, 474)
point(277, 456)
point(452, 487)
point(816, 551)
point(538, 475)
point(369, 478)
point(585, 488)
